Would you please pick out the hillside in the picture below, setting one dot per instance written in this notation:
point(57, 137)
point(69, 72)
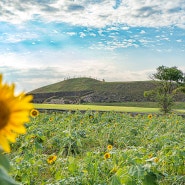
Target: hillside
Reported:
point(88, 90)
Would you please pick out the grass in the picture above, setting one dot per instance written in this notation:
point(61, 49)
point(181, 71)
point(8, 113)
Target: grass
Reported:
point(177, 105)
point(95, 108)
point(101, 108)
point(89, 84)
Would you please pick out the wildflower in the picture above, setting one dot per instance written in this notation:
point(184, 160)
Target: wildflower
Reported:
point(34, 113)
point(164, 163)
point(109, 147)
point(51, 159)
point(115, 124)
point(156, 160)
point(90, 116)
point(106, 155)
point(14, 112)
point(150, 116)
point(150, 155)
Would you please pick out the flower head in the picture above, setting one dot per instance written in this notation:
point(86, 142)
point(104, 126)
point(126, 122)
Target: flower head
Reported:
point(51, 159)
point(107, 155)
point(14, 112)
point(34, 113)
point(90, 116)
point(156, 159)
point(150, 116)
point(109, 147)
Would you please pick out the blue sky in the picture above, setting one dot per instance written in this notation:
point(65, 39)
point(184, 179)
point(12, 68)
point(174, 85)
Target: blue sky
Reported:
point(45, 41)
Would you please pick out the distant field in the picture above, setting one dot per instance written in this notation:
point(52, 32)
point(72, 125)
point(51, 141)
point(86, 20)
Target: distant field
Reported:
point(177, 105)
point(127, 108)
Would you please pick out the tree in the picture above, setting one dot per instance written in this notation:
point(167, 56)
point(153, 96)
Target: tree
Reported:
point(169, 81)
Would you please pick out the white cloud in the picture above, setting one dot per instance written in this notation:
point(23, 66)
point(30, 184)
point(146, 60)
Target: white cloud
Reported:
point(179, 40)
point(71, 33)
point(97, 13)
point(32, 78)
point(17, 37)
point(142, 32)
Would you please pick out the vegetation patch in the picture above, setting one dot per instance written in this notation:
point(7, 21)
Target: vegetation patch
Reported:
point(100, 148)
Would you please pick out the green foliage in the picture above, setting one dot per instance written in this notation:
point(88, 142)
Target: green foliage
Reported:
point(169, 74)
point(5, 178)
point(171, 80)
point(165, 102)
point(147, 150)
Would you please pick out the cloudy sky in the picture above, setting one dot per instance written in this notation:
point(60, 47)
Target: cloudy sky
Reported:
point(45, 41)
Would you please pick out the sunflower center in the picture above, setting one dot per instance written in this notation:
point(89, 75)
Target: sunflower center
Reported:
point(4, 114)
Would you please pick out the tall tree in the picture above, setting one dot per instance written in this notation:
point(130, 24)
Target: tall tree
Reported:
point(169, 81)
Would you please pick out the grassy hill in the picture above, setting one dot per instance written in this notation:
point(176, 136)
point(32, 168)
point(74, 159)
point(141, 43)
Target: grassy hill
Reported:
point(88, 90)
point(89, 84)
point(74, 84)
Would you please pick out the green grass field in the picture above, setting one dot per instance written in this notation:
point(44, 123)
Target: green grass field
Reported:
point(101, 108)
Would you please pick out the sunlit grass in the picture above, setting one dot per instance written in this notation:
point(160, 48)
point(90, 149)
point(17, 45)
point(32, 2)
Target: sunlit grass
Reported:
point(102, 108)
point(95, 108)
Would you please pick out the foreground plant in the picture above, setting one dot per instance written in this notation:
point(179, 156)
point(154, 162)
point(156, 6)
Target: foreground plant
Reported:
point(14, 112)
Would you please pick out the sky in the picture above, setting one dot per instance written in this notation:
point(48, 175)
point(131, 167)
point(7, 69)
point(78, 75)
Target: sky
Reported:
point(47, 41)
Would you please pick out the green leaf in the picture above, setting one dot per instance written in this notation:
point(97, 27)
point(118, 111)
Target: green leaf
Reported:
point(115, 180)
point(136, 171)
point(4, 162)
point(150, 179)
point(131, 182)
point(5, 179)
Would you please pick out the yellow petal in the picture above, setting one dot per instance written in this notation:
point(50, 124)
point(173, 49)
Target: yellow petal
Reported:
point(4, 144)
point(18, 129)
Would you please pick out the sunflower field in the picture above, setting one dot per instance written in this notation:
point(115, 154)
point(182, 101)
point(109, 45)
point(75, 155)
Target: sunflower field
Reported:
point(94, 148)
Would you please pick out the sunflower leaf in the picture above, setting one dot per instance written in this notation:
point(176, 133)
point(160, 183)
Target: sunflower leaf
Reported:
point(5, 179)
point(4, 162)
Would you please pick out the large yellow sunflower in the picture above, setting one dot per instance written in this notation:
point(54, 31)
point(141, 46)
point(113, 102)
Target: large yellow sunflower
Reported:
point(14, 112)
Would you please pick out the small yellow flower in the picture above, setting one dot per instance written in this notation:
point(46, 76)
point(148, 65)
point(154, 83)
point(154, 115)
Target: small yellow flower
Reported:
point(115, 124)
point(51, 159)
point(51, 119)
point(156, 160)
point(109, 147)
point(107, 155)
point(91, 116)
point(150, 155)
point(14, 112)
point(34, 113)
point(150, 116)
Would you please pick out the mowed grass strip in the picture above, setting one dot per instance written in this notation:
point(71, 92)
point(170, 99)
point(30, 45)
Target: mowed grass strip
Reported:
point(96, 108)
